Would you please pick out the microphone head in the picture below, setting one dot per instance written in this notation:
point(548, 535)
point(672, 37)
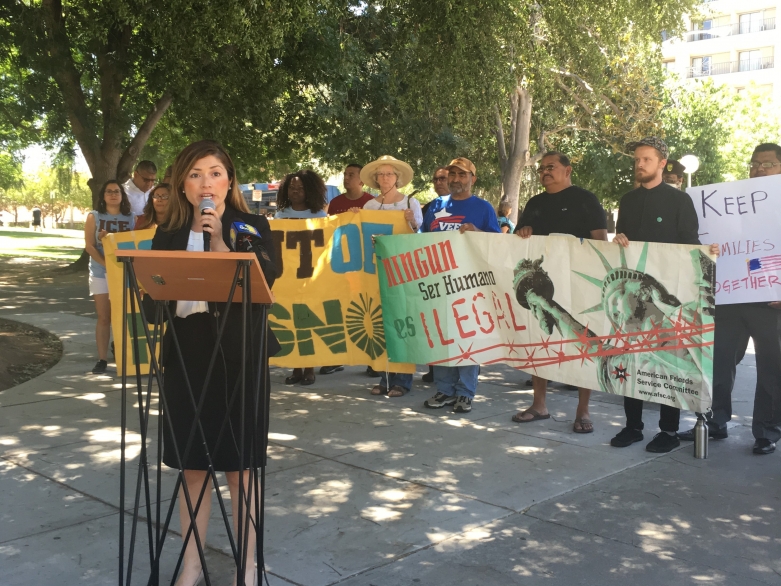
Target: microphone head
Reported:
point(240, 229)
point(206, 204)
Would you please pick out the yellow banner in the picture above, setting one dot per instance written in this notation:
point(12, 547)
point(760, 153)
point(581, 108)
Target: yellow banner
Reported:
point(139, 240)
point(327, 308)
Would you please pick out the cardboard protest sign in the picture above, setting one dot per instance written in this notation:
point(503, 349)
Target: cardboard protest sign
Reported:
point(635, 322)
point(744, 217)
point(328, 308)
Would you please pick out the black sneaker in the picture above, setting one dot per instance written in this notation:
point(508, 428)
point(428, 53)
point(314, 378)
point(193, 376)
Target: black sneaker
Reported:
point(331, 369)
point(371, 372)
point(100, 367)
point(714, 432)
point(440, 400)
point(764, 446)
point(463, 404)
point(626, 437)
point(662, 443)
point(429, 376)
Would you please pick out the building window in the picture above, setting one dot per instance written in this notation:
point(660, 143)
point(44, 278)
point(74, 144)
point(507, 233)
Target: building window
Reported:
point(749, 60)
point(668, 66)
point(697, 27)
point(701, 66)
point(751, 22)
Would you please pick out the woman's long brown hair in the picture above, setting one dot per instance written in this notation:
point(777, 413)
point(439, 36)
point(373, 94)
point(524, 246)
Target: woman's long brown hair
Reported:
point(180, 211)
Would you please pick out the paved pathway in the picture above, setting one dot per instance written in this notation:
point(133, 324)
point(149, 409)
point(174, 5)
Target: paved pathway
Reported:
point(364, 490)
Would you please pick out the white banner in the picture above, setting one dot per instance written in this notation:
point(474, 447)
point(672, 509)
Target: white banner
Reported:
point(744, 217)
point(636, 322)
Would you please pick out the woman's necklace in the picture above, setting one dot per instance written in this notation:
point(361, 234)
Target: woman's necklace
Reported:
point(382, 196)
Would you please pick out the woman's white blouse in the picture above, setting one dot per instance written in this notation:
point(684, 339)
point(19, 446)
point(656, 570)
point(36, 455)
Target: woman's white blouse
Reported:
point(185, 308)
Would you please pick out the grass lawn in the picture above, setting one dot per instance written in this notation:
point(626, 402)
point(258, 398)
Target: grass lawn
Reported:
point(51, 244)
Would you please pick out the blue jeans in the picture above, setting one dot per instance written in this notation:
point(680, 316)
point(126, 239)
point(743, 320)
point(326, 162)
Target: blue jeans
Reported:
point(457, 380)
point(396, 378)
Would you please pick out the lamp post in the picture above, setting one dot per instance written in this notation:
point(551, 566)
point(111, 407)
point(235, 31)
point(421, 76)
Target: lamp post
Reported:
point(690, 165)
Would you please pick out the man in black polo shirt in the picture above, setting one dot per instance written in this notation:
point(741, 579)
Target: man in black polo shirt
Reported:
point(562, 208)
point(654, 212)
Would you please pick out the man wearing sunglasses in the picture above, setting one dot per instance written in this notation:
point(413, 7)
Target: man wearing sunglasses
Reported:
point(735, 324)
point(139, 185)
point(562, 208)
point(441, 187)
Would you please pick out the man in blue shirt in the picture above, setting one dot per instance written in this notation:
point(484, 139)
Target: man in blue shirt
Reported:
point(465, 212)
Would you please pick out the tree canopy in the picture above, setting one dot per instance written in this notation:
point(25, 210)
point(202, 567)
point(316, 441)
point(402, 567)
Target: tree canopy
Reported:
point(284, 83)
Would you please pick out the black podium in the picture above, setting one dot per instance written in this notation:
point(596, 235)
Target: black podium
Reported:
point(233, 279)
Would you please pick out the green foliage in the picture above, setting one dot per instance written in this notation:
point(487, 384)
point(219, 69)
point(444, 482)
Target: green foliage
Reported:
point(53, 189)
point(10, 171)
point(719, 126)
point(694, 121)
point(753, 120)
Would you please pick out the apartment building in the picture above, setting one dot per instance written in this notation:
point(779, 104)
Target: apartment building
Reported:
point(732, 42)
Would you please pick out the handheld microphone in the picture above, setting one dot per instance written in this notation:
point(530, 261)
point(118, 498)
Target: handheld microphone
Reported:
point(206, 204)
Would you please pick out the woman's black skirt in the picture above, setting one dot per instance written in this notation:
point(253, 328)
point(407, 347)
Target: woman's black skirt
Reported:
point(222, 434)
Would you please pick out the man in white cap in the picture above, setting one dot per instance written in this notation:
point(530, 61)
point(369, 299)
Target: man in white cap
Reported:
point(465, 212)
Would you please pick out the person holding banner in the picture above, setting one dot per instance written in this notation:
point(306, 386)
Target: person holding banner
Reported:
point(562, 208)
point(654, 212)
point(735, 324)
point(111, 214)
point(203, 171)
point(464, 212)
point(388, 174)
point(354, 196)
point(301, 195)
point(154, 210)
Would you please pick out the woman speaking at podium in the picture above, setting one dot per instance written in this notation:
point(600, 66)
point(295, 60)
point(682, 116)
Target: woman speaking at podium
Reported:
point(203, 172)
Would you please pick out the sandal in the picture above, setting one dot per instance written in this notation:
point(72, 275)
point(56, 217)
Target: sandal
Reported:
point(397, 391)
point(586, 425)
point(296, 377)
point(536, 416)
point(379, 390)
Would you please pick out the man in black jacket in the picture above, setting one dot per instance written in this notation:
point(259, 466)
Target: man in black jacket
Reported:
point(654, 212)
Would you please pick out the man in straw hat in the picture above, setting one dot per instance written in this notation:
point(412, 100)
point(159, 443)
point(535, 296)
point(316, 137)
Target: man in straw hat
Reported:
point(465, 212)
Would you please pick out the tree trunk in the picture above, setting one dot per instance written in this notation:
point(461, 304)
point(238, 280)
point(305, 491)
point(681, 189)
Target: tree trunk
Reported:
point(515, 156)
point(81, 264)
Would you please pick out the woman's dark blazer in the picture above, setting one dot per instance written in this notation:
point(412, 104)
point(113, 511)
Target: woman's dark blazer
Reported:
point(231, 341)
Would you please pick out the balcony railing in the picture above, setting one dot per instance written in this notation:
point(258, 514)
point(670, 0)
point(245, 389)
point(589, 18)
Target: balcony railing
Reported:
point(728, 30)
point(731, 67)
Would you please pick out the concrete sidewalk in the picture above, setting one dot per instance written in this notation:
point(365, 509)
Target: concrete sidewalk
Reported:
point(368, 490)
